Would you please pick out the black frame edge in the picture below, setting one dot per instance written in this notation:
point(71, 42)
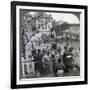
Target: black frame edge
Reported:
point(49, 4)
point(13, 44)
point(86, 44)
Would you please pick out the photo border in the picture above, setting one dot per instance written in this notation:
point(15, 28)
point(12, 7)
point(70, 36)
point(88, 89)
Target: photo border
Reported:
point(13, 44)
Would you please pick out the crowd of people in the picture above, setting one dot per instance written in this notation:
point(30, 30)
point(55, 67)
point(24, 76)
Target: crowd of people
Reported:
point(49, 58)
point(50, 62)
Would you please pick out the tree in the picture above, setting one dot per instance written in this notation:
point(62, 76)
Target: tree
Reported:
point(26, 20)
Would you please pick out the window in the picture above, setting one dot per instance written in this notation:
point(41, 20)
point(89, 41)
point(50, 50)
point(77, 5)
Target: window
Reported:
point(38, 26)
point(42, 26)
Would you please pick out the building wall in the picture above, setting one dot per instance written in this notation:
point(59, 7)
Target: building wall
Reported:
point(43, 24)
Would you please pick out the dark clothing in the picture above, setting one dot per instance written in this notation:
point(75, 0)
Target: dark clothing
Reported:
point(67, 59)
point(38, 63)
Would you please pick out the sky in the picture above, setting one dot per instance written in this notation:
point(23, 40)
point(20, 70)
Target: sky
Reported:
point(70, 18)
point(66, 17)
